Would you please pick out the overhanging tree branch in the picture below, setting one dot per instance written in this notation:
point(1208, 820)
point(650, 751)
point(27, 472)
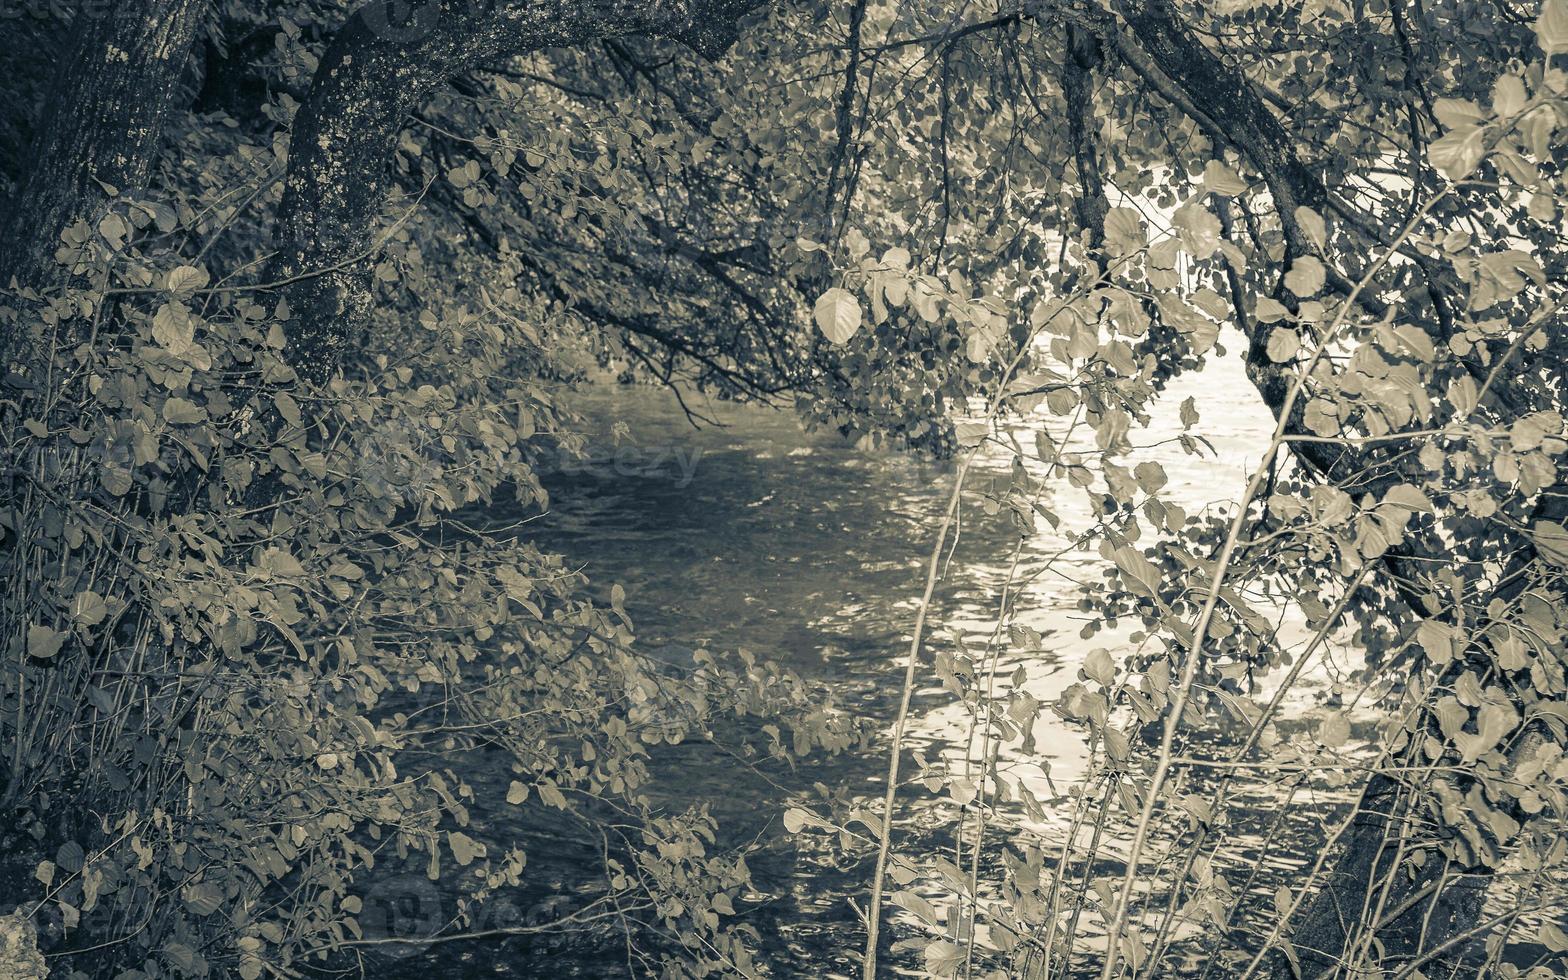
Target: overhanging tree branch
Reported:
point(385, 60)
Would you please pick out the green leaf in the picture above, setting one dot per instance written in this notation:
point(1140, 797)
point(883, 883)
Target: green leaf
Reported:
point(287, 407)
point(1150, 476)
point(516, 793)
point(1451, 715)
point(1529, 432)
point(465, 175)
point(1312, 226)
point(163, 216)
point(1220, 179)
point(464, 848)
point(184, 280)
point(856, 242)
point(112, 227)
point(971, 434)
point(1463, 395)
point(962, 789)
point(1551, 27)
point(1198, 229)
point(1456, 113)
point(88, 608)
point(1305, 277)
point(1269, 310)
point(912, 902)
point(1409, 497)
point(1508, 95)
point(1459, 151)
point(551, 794)
point(1199, 330)
point(1552, 937)
point(1494, 721)
point(115, 479)
point(838, 315)
point(185, 958)
point(1416, 342)
point(1282, 896)
point(1045, 446)
point(1112, 428)
point(1322, 417)
point(1284, 344)
point(44, 642)
point(1373, 537)
point(1124, 232)
point(282, 564)
point(1138, 573)
point(943, 959)
point(1551, 541)
point(180, 411)
point(203, 899)
point(1438, 640)
point(173, 328)
point(1099, 667)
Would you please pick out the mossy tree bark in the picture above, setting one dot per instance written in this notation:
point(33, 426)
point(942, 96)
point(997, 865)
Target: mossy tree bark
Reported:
point(100, 130)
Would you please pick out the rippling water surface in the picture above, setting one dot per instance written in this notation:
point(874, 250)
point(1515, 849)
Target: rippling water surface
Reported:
point(809, 551)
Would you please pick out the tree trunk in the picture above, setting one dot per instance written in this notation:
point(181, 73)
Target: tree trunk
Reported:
point(111, 96)
point(1226, 101)
point(1436, 903)
point(382, 64)
point(1079, 61)
point(1420, 911)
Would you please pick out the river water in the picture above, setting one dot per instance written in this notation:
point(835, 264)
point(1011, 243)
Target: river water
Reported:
point(809, 551)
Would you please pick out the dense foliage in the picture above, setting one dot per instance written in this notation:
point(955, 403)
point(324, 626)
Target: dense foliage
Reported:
point(293, 289)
